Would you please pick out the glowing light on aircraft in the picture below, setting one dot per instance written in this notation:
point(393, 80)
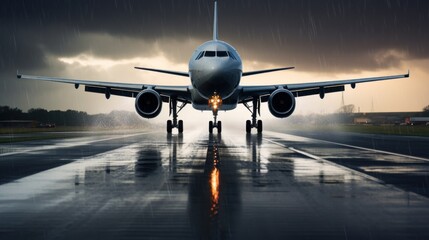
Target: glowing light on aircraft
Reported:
point(215, 102)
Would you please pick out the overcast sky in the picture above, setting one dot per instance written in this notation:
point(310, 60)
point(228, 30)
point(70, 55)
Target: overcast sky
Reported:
point(324, 40)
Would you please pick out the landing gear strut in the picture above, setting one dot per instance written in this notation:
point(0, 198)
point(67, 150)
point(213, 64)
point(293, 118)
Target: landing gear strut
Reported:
point(215, 102)
point(255, 108)
point(175, 110)
point(215, 123)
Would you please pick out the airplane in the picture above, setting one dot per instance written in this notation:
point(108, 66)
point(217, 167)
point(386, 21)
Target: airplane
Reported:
point(215, 71)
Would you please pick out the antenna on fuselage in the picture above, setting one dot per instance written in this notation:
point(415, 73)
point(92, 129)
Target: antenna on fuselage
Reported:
point(215, 34)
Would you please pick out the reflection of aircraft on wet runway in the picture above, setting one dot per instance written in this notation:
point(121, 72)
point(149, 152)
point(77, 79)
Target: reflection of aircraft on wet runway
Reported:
point(215, 70)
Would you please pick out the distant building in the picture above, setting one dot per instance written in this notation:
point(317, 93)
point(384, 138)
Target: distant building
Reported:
point(395, 118)
point(417, 121)
point(362, 120)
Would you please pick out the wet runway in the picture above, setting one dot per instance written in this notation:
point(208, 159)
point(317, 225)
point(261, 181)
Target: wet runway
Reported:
point(151, 185)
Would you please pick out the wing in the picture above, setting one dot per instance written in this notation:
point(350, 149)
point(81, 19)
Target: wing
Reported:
point(183, 74)
point(120, 89)
point(306, 89)
point(266, 71)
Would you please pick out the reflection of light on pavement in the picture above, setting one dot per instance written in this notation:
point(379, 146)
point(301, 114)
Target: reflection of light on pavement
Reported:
point(214, 184)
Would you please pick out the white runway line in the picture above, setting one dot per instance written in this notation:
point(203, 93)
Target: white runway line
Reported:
point(309, 155)
point(360, 148)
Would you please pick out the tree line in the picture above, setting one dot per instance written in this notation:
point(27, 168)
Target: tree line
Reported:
point(71, 117)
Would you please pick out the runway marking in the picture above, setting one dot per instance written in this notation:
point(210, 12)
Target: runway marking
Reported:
point(69, 145)
point(363, 148)
point(309, 155)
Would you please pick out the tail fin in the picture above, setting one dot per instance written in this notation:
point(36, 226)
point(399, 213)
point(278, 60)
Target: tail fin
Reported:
point(215, 34)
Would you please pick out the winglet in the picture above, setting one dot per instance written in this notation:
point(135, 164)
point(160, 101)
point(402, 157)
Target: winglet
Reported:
point(408, 74)
point(17, 74)
point(215, 33)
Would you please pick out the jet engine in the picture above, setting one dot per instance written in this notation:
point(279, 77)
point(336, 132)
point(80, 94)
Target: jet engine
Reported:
point(148, 103)
point(281, 103)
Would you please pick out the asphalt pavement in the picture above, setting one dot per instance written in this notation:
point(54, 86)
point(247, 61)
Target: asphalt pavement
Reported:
point(151, 185)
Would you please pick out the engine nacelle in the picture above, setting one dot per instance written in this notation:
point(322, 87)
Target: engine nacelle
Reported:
point(281, 103)
point(148, 103)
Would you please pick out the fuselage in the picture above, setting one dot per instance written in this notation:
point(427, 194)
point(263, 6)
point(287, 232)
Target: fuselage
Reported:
point(215, 68)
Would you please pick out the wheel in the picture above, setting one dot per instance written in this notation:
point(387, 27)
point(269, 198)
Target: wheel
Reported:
point(169, 126)
point(219, 127)
point(260, 128)
point(248, 126)
point(211, 127)
point(180, 127)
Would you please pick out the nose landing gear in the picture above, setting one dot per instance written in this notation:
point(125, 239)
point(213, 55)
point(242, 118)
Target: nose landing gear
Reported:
point(215, 102)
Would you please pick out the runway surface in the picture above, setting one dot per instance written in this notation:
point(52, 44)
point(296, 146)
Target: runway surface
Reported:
point(150, 185)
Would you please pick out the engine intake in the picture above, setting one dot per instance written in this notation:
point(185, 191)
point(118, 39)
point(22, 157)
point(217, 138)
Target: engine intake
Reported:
point(281, 103)
point(148, 103)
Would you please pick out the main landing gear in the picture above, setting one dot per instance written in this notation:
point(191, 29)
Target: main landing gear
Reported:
point(215, 102)
point(175, 110)
point(256, 107)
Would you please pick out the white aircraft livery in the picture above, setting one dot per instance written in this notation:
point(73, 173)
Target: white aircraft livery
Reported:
point(215, 71)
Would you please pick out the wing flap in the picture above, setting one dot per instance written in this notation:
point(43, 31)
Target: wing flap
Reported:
point(316, 91)
point(117, 92)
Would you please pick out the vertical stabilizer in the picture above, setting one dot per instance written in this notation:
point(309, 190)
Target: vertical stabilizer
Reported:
point(215, 34)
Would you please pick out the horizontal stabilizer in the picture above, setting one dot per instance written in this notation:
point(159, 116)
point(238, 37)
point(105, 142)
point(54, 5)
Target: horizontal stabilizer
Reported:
point(265, 71)
point(183, 74)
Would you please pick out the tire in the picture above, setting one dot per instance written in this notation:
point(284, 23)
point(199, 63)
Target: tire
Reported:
point(219, 127)
point(211, 127)
point(260, 128)
point(248, 126)
point(169, 126)
point(180, 127)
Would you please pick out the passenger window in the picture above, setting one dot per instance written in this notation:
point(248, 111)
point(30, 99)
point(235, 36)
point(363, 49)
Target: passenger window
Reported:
point(222, 54)
point(200, 56)
point(210, 54)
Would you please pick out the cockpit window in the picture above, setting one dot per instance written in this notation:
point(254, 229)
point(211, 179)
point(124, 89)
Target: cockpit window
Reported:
point(222, 54)
point(210, 54)
point(215, 54)
point(200, 56)
point(231, 55)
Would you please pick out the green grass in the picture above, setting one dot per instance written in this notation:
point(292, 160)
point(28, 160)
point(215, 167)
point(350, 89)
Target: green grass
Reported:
point(12, 135)
point(389, 130)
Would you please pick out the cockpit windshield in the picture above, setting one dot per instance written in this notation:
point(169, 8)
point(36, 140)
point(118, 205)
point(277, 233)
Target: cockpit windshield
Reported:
point(215, 54)
point(222, 54)
point(210, 54)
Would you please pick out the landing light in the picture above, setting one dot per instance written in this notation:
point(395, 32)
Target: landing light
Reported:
point(215, 101)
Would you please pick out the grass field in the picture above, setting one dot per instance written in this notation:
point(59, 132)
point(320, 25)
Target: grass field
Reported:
point(12, 135)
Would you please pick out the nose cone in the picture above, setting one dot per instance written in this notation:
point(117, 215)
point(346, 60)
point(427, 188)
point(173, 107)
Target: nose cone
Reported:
point(221, 77)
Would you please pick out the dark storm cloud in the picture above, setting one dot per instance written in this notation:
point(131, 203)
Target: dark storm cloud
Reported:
point(312, 35)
